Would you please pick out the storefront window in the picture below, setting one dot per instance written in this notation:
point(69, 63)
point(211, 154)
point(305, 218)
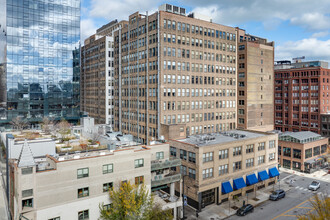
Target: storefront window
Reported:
point(279, 150)
point(308, 153)
point(287, 164)
point(323, 148)
point(296, 153)
point(296, 165)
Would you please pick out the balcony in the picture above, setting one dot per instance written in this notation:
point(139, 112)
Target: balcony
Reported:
point(170, 178)
point(163, 164)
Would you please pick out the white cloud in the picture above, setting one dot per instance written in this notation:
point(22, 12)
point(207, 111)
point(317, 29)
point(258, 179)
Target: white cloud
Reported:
point(311, 48)
point(312, 21)
point(320, 34)
point(237, 12)
point(88, 28)
point(114, 9)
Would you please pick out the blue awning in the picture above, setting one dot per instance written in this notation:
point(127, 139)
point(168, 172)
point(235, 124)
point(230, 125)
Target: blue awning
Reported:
point(239, 183)
point(251, 179)
point(273, 172)
point(226, 187)
point(263, 175)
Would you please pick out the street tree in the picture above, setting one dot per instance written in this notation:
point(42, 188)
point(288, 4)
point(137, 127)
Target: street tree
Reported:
point(19, 123)
point(133, 202)
point(321, 209)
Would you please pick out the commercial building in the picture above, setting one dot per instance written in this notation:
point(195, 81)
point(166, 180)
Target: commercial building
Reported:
point(255, 109)
point(219, 166)
point(301, 95)
point(40, 40)
point(72, 186)
point(325, 125)
point(97, 74)
point(176, 69)
point(302, 151)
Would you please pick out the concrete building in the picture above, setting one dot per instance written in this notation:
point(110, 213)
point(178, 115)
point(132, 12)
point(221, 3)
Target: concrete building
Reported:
point(303, 151)
point(176, 69)
point(301, 95)
point(219, 166)
point(72, 186)
point(255, 109)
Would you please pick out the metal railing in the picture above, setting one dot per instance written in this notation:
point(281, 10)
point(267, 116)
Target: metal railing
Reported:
point(172, 162)
point(166, 180)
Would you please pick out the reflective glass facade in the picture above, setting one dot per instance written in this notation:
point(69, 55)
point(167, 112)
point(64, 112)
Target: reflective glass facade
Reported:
point(42, 61)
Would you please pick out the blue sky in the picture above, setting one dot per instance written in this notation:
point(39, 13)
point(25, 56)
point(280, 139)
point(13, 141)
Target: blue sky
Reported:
point(298, 27)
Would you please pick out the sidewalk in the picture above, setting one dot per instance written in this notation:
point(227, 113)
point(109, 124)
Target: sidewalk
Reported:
point(224, 210)
point(319, 175)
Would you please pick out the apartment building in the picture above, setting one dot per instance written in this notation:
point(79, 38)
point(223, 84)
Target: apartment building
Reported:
point(97, 72)
point(72, 186)
point(255, 108)
point(302, 151)
point(216, 167)
point(301, 95)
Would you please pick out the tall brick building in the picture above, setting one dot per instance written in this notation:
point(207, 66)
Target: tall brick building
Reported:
point(301, 95)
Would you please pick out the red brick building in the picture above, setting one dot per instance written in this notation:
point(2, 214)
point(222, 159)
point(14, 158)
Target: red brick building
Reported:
point(301, 95)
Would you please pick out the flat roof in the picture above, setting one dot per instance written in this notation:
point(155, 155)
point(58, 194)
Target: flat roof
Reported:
point(299, 137)
point(222, 137)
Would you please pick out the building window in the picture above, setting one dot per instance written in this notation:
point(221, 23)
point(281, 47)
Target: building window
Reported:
point(261, 159)
point(287, 151)
point(56, 218)
point(237, 151)
point(27, 203)
point(83, 215)
point(223, 154)
point(271, 156)
point(208, 157)
point(249, 148)
point(139, 163)
point(159, 155)
point(286, 163)
point(237, 166)
point(173, 151)
point(208, 173)
point(192, 173)
point(297, 153)
point(183, 154)
point(323, 148)
point(192, 157)
point(308, 153)
point(316, 151)
point(83, 192)
point(261, 146)
point(83, 172)
point(107, 206)
point(250, 162)
point(107, 168)
point(183, 170)
point(27, 193)
point(107, 186)
point(223, 169)
point(139, 180)
point(27, 170)
point(271, 144)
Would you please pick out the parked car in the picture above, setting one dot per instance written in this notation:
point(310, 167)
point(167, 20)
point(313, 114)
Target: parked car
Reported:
point(245, 209)
point(277, 194)
point(314, 185)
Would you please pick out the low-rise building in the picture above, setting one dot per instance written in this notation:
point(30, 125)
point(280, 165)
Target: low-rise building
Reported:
point(219, 166)
point(303, 151)
point(72, 186)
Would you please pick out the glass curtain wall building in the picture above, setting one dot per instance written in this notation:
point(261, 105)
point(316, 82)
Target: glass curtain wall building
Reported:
point(39, 53)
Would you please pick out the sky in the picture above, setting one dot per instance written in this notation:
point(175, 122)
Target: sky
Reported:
point(298, 27)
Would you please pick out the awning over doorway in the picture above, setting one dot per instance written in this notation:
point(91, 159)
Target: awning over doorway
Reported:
point(263, 175)
point(239, 183)
point(251, 179)
point(226, 187)
point(273, 172)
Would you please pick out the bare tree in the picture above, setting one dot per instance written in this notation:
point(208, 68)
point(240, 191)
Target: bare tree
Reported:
point(63, 128)
point(95, 137)
point(47, 125)
point(19, 123)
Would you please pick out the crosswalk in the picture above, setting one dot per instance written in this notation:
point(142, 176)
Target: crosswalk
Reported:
point(305, 189)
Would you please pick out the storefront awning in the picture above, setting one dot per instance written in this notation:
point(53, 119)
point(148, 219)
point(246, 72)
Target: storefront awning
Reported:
point(226, 187)
point(273, 172)
point(239, 183)
point(251, 179)
point(263, 175)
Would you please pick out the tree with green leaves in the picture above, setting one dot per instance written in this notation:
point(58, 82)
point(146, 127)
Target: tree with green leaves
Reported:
point(320, 211)
point(133, 202)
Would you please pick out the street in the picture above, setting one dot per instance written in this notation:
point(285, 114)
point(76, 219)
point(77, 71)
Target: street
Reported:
point(296, 201)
